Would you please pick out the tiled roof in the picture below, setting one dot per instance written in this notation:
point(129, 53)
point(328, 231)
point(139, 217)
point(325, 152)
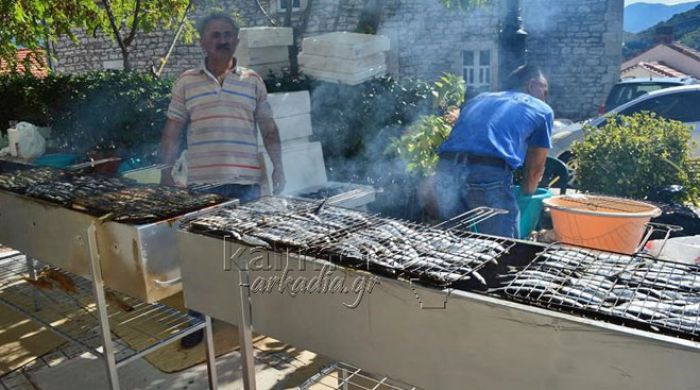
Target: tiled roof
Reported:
point(690, 52)
point(38, 68)
point(657, 67)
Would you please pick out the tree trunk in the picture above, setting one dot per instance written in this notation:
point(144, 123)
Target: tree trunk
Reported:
point(125, 57)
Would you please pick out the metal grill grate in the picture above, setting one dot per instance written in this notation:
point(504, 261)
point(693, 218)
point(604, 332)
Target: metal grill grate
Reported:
point(342, 376)
point(346, 237)
point(657, 295)
point(114, 198)
point(65, 304)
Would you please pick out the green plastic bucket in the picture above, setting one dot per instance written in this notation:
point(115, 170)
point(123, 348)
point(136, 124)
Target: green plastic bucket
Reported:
point(530, 209)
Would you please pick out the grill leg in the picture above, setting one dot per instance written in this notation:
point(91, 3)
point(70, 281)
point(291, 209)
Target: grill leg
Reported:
point(98, 290)
point(31, 266)
point(245, 331)
point(211, 356)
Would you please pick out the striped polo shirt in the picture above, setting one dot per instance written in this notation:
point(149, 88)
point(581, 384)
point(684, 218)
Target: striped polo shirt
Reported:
point(222, 145)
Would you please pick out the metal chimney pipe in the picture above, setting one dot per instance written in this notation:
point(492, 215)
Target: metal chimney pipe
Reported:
point(512, 40)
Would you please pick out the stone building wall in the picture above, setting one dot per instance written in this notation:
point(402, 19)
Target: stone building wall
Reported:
point(101, 52)
point(577, 42)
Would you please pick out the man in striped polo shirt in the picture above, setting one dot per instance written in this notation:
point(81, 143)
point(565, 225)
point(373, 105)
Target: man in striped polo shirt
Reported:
point(220, 104)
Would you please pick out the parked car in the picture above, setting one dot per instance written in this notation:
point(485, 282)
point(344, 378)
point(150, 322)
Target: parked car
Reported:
point(629, 89)
point(677, 103)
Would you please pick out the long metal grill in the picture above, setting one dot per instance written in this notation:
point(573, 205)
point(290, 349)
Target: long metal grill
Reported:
point(112, 198)
point(350, 238)
point(658, 295)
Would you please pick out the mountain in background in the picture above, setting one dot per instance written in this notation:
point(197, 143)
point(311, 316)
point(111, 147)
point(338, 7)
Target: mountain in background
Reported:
point(686, 30)
point(640, 16)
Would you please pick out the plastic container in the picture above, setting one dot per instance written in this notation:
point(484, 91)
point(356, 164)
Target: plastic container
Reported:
point(600, 222)
point(56, 160)
point(680, 249)
point(530, 209)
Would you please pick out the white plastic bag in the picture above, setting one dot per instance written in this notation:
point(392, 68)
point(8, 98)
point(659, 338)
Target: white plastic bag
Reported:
point(680, 249)
point(26, 141)
point(179, 171)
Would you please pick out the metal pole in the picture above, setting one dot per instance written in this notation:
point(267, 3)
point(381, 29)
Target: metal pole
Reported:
point(245, 328)
point(98, 289)
point(211, 355)
point(32, 274)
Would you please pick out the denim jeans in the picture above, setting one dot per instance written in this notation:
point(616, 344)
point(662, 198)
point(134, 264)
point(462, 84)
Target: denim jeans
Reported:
point(242, 192)
point(461, 187)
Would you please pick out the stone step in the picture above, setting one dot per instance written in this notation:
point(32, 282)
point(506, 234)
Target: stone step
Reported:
point(345, 78)
point(341, 65)
point(262, 55)
point(256, 37)
point(286, 104)
point(345, 45)
point(303, 166)
point(293, 128)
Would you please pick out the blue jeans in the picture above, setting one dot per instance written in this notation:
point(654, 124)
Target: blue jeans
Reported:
point(461, 187)
point(242, 192)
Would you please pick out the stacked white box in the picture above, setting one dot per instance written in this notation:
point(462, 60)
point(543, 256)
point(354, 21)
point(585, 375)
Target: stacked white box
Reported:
point(264, 49)
point(344, 57)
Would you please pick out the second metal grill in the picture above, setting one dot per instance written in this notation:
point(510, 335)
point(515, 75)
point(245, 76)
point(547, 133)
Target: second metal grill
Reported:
point(657, 295)
point(387, 246)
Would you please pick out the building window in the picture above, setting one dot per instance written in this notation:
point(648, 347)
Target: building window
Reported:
point(477, 69)
point(282, 5)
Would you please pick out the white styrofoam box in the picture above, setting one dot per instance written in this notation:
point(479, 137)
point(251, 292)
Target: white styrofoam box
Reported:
point(289, 103)
point(346, 78)
point(345, 45)
point(303, 166)
point(262, 55)
point(341, 65)
point(265, 36)
point(264, 69)
point(293, 127)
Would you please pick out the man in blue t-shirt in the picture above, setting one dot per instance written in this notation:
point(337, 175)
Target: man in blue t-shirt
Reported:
point(495, 134)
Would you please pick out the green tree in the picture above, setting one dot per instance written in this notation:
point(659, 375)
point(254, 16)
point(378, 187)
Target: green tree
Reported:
point(34, 23)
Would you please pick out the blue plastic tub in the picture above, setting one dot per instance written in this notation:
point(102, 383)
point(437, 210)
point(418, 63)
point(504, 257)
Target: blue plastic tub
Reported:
point(530, 209)
point(56, 160)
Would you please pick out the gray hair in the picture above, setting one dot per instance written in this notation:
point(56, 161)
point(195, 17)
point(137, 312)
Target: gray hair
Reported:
point(522, 75)
point(216, 15)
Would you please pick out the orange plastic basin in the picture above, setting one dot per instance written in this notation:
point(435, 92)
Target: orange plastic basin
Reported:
point(600, 222)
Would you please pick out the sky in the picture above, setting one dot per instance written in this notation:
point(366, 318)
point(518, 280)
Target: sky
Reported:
point(667, 2)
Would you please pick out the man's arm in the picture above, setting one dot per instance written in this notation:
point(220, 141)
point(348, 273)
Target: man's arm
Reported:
point(271, 139)
point(534, 169)
point(169, 148)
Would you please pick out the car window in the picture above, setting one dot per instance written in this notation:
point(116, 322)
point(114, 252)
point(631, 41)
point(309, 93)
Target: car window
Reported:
point(677, 106)
point(623, 93)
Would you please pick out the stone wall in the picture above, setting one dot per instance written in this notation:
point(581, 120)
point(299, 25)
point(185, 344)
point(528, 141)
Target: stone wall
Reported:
point(427, 39)
point(577, 42)
point(101, 52)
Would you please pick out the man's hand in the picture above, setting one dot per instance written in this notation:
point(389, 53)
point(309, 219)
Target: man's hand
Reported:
point(534, 168)
point(278, 181)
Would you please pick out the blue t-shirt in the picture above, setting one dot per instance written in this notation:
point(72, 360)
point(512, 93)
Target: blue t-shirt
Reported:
point(501, 124)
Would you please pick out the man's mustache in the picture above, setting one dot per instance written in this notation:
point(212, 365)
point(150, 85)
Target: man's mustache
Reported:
point(224, 46)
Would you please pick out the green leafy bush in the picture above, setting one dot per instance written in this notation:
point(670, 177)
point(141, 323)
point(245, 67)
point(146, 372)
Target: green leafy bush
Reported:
point(110, 110)
point(418, 145)
point(631, 155)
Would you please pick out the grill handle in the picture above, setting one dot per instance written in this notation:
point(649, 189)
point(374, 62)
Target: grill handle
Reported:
point(168, 283)
point(471, 217)
point(654, 227)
